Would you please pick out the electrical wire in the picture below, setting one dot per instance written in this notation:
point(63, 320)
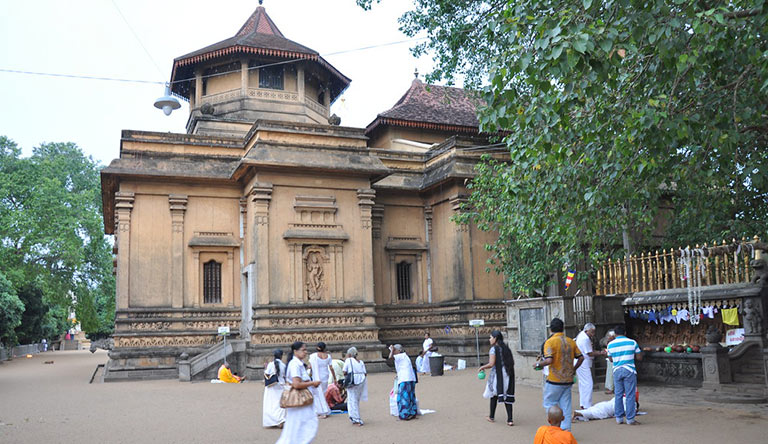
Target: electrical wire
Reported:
point(152, 59)
point(87, 77)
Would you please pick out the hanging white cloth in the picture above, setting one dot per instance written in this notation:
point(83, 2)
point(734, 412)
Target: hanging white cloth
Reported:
point(300, 422)
point(274, 415)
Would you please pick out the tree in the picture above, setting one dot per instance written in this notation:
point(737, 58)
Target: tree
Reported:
point(11, 309)
point(52, 246)
point(609, 107)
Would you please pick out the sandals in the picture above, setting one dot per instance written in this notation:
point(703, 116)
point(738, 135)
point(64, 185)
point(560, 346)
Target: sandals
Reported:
point(489, 419)
point(510, 423)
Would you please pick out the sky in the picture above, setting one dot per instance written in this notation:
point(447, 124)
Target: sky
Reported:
point(138, 40)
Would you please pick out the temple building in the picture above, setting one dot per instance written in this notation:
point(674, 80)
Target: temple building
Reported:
point(270, 218)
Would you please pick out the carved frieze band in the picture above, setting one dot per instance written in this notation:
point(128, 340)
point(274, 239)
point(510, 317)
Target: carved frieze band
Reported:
point(317, 322)
point(315, 310)
point(197, 314)
point(349, 337)
point(165, 341)
point(463, 331)
point(193, 325)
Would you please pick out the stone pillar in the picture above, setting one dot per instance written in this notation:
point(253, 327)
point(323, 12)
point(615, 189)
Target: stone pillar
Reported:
point(195, 290)
point(327, 98)
point(198, 87)
point(300, 82)
point(123, 207)
point(233, 278)
point(261, 195)
point(365, 201)
point(377, 216)
point(464, 283)
point(392, 279)
point(715, 363)
point(428, 213)
point(243, 77)
point(178, 205)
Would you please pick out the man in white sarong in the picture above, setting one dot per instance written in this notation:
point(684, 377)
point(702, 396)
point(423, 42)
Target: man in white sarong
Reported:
point(584, 372)
point(426, 353)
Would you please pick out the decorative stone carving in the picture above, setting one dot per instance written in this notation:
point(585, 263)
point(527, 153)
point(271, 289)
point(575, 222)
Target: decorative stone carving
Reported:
point(759, 272)
point(753, 320)
point(365, 200)
point(315, 258)
point(165, 341)
point(377, 216)
point(713, 335)
point(317, 322)
point(329, 336)
point(457, 203)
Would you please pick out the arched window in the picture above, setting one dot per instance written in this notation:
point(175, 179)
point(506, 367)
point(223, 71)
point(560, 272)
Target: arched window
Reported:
point(212, 282)
point(404, 281)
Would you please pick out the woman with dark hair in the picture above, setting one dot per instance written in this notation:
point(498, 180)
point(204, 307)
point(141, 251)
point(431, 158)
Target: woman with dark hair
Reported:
point(274, 415)
point(300, 422)
point(320, 363)
point(500, 385)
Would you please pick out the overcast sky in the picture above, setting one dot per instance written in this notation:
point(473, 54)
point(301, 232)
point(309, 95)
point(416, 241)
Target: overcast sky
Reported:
point(89, 37)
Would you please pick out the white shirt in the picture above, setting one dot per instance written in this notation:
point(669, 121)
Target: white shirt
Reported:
point(404, 368)
point(296, 369)
point(584, 342)
point(352, 365)
point(427, 343)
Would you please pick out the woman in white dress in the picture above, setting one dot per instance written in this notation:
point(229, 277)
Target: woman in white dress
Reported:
point(300, 422)
point(274, 415)
point(320, 363)
point(426, 351)
point(358, 391)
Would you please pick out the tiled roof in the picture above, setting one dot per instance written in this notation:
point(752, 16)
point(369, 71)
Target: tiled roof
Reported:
point(431, 106)
point(259, 36)
point(259, 31)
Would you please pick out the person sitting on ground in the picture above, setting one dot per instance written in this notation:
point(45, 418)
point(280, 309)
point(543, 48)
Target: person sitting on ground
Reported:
point(226, 375)
point(336, 397)
point(553, 434)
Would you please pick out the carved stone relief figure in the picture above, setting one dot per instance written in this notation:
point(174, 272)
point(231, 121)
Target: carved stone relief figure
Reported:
point(314, 263)
point(752, 317)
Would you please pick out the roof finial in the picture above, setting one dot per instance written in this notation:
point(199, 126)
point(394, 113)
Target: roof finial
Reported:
point(416, 73)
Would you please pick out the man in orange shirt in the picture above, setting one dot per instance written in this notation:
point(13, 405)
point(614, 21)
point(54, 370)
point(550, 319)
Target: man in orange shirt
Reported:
point(553, 434)
point(559, 353)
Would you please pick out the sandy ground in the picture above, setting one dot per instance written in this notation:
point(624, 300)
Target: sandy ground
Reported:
point(54, 403)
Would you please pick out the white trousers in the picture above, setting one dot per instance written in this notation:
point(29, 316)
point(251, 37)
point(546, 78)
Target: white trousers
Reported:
point(585, 386)
point(354, 394)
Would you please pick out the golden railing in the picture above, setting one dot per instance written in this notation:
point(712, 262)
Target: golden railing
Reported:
point(725, 263)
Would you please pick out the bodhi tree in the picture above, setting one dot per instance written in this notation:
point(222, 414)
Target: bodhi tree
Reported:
point(52, 247)
point(611, 111)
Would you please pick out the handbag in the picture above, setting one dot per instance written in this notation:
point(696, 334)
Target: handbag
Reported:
point(272, 380)
point(296, 398)
point(349, 380)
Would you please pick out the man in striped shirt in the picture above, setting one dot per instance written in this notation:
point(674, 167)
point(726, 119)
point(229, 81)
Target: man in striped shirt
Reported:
point(623, 351)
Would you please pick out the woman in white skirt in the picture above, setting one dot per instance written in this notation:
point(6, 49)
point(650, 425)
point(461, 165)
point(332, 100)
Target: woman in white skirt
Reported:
point(320, 363)
point(358, 390)
point(300, 422)
point(274, 415)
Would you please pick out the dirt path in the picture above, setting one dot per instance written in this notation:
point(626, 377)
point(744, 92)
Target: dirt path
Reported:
point(55, 403)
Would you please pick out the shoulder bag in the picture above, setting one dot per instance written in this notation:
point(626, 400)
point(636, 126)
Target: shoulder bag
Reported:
point(296, 398)
point(272, 380)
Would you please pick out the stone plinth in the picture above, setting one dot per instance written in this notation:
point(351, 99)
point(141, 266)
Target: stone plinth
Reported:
point(716, 365)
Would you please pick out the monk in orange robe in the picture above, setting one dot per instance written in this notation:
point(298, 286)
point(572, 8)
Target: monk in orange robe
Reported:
point(553, 434)
point(225, 374)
